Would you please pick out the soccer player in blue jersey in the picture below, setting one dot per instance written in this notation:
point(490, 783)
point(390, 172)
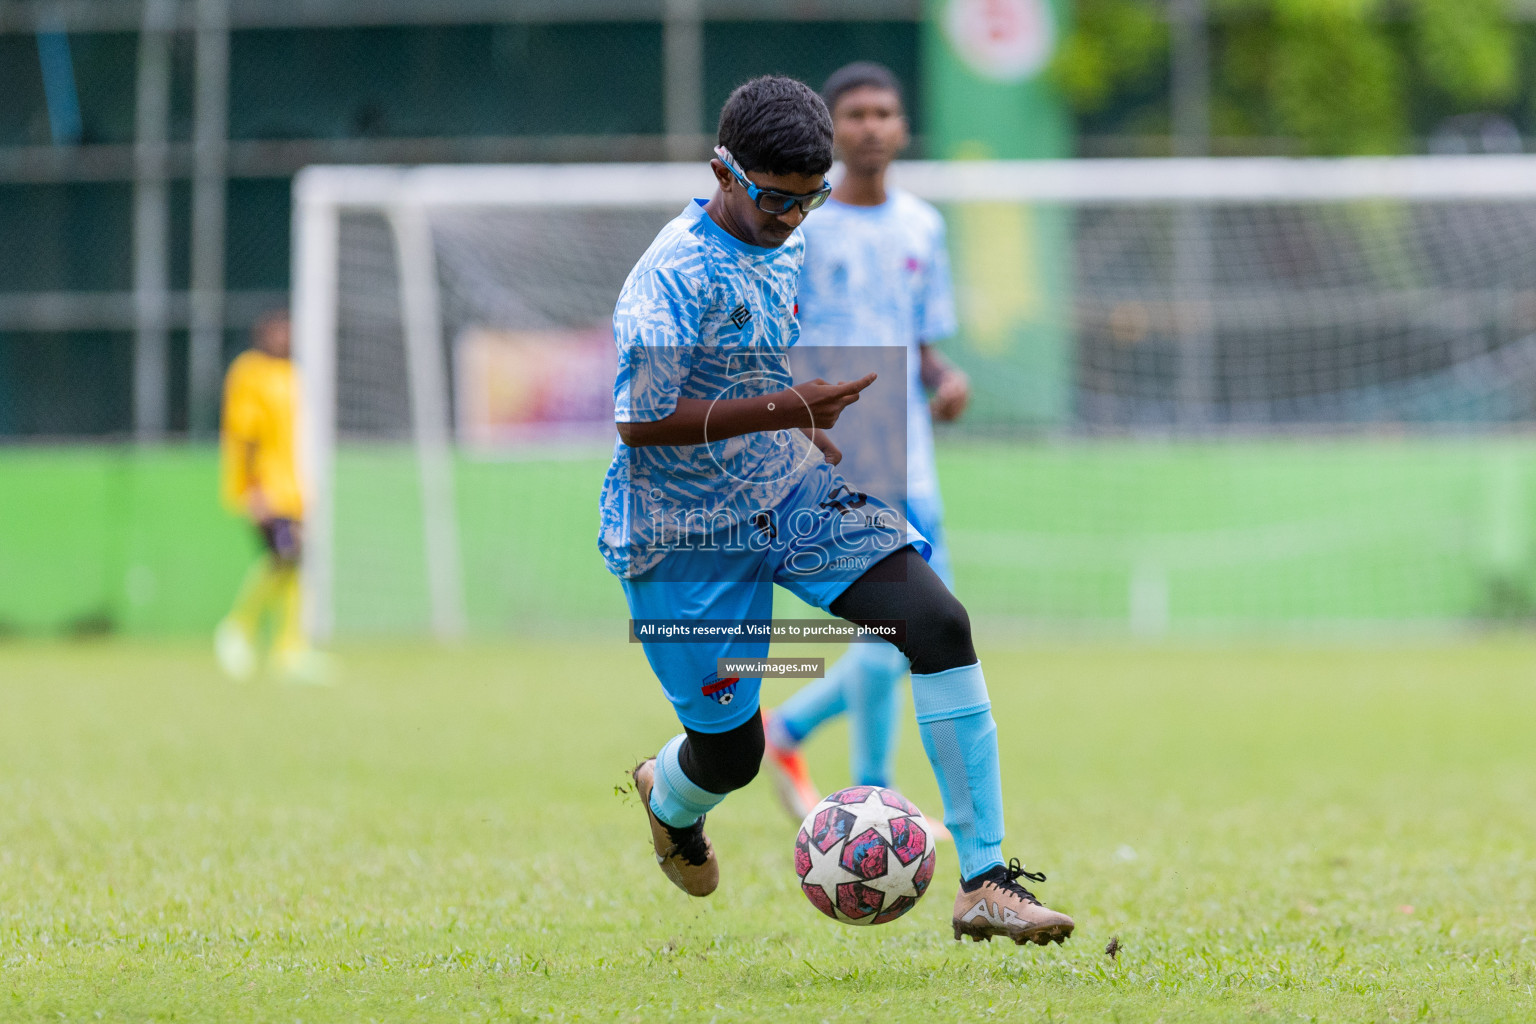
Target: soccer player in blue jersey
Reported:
point(719, 489)
point(876, 273)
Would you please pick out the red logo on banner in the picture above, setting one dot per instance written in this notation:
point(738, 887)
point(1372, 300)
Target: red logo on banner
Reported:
point(1007, 40)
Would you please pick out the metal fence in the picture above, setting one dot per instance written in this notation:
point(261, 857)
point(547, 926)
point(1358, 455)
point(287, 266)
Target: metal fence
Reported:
point(146, 148)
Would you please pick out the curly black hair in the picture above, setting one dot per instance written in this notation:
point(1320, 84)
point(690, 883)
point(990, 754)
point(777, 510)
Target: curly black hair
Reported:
point(777, 125)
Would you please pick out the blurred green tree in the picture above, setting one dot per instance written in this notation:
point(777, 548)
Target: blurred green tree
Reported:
point(1338, 76)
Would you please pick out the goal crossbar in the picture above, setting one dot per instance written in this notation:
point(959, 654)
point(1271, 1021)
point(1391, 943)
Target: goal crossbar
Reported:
point(1204, 181)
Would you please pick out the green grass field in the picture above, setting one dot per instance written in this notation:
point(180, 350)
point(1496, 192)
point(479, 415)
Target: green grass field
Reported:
point(1275, 834)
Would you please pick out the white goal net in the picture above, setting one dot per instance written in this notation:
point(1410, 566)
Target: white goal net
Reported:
point(1208, 394)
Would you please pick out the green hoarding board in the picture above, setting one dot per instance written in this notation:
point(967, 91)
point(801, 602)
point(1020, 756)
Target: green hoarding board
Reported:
point(988, 99)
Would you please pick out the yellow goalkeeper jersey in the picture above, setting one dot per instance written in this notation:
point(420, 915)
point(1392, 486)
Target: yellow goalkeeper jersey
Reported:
point(260, 397)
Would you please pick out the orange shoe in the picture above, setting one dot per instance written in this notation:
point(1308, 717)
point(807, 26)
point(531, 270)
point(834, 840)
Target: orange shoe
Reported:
point(791, 778)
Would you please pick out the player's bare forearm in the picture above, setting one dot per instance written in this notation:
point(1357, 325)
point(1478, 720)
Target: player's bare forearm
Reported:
point(932, 366)
point(697, 420)
point(259, 509)
point(947, 383)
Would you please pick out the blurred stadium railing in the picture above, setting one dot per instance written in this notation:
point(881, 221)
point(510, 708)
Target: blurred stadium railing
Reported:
point(146, 148)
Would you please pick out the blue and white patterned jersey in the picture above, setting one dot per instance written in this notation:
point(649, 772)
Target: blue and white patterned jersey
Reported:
point(702, 315)
point(879, 275)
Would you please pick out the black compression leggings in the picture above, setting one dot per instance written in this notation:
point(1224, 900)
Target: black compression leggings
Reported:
point(723, 761)
point(900, 586)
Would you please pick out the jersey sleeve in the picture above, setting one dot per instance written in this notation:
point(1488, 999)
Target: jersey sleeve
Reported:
point(656, 326)
point(239, 427)
point(936, 313)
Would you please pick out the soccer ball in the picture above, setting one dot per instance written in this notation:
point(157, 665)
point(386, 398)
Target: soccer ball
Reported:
point(864, 855)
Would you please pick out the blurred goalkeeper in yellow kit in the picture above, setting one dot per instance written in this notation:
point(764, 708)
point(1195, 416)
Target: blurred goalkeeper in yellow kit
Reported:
point(258, 479)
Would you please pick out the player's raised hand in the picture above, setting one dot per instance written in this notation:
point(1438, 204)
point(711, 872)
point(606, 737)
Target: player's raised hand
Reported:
point(951, 396)
point(827, 401)
point(829, 449)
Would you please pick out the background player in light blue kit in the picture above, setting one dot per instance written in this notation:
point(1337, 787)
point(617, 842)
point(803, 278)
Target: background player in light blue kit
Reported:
point(876, 274)
point(718, 490)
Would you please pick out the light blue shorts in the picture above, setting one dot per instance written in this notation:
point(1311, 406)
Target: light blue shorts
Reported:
point(819, 540)
point(927, 517)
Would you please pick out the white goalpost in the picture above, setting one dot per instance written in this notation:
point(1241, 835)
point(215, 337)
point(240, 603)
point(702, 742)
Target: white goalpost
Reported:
point(402, 198)
point(1117, 316)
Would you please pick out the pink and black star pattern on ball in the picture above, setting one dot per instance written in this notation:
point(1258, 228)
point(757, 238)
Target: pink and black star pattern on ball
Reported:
point(831, 827)
point(857, 900)
point(819, 899)
point(909, 840)
point(894, 909)
point(923, 875)
point(864, 856)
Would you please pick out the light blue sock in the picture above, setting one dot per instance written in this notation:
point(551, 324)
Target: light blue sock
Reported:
point(954, 717)
point(675, 799)
point(813, 704)
point(874, 711)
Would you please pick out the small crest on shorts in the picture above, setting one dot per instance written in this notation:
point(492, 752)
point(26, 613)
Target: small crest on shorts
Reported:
point(721, 691)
